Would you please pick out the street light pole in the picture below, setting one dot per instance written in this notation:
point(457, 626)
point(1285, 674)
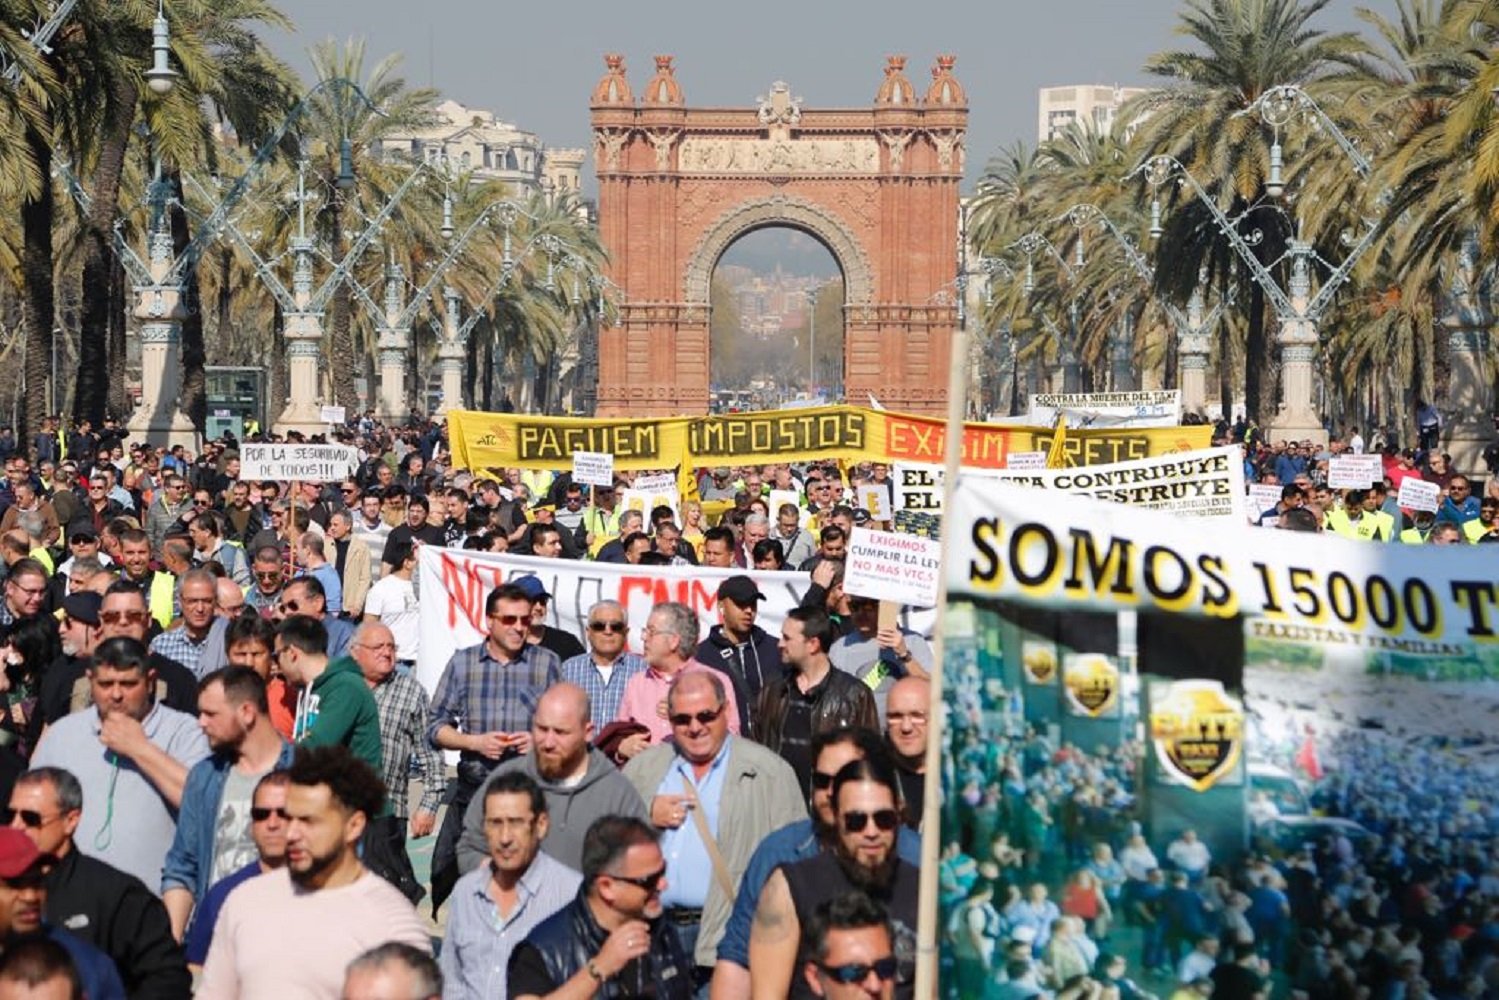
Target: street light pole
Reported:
point(812, 343)
point(1297, 308)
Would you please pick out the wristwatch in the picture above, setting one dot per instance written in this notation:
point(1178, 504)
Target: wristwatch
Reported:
point(593, 970)
point(905, 657)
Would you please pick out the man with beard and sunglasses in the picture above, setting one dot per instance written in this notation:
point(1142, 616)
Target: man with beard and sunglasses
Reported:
point(866, 806)
point(853, 950)
point(805, 838)
point(714, 797)
point(291, 932)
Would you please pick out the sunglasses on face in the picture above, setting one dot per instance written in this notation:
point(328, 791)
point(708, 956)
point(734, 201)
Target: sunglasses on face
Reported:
point(30, 818)
point(614, 627)
point(122, 617)
point(822, 780)
point(273, 574)
point(510, 619)
point(884, 819)
point(858, 972)
point(262, 813)
point(702, 718)
point(645, 883)
point(292, 606)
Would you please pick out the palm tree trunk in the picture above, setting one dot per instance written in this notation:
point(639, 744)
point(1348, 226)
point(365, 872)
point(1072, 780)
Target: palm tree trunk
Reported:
point(1254, 356)
point(341, 360)
point(98, 261)
point(194, 354)
point(117, 399)
point(489, 375)
point(36, 270)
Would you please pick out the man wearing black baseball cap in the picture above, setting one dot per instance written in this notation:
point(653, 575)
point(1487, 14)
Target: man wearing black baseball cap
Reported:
point(740, 648)
point(23, 896)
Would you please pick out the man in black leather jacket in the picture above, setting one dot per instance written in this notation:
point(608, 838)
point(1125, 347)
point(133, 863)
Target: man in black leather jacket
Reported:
point(611, 941)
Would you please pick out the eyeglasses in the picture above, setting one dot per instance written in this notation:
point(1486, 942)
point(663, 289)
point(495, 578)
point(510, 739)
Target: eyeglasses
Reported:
point(29, 591)
point(347, 489)
point(645, 883)
point(123, 617)
point(885, 819)
point(270, 574)
point(510, 619)
point(858, 972)
point(262, 813)
point(30, 818)
point(377, 646)
point(822, 780)
point(614, 627)
point(95, 486)
point(702, 718)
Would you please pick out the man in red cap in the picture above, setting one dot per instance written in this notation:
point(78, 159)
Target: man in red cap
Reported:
point(23, 895)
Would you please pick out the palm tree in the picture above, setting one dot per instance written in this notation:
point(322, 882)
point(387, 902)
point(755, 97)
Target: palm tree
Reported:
point(339, 126)
point(1243, 49)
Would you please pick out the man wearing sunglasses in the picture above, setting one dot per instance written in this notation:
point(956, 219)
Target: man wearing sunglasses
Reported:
point(853, 950)
point(608, 665)
point(268, 819)
point(831, 751)
point(714, 797)
point(213, 835)
point(102, 905)
point(611, 939)
point(866, 806)
point(170, 503)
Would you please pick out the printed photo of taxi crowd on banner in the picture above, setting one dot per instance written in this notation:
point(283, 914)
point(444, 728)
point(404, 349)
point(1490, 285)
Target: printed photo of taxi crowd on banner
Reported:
point(1131, 689)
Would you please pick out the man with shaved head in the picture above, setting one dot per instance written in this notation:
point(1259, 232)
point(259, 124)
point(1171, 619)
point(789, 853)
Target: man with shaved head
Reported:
point(580, 783)
point(402, 704)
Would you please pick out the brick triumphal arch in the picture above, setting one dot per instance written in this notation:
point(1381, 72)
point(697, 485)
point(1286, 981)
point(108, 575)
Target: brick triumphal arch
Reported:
point(878, 186)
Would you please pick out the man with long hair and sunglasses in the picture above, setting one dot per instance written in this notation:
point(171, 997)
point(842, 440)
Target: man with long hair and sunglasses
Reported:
point(97, 902)
point(866, 805)
point(714, 797)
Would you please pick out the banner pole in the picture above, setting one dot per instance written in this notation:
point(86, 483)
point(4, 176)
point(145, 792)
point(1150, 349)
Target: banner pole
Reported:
point(931, 813)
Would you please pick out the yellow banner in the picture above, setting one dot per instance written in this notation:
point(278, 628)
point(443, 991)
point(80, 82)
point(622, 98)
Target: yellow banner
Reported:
point(848, 433)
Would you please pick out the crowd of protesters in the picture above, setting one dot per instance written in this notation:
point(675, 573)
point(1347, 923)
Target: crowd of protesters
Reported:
point(213, 742)
point(214, 749)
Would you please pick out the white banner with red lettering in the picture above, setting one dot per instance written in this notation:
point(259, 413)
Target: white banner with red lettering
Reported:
point(453, 585)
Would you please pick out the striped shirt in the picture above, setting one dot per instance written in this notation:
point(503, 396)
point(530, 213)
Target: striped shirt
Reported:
point(479, 694)
point(476, 950)
point(603, 696)
point(402, 703)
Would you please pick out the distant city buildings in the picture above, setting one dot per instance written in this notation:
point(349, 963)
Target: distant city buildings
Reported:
point(1095, 106)
point(494, 150)
point(768, 303)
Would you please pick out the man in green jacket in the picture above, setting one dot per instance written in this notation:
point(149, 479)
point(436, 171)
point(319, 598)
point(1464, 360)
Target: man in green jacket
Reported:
point(335, 705)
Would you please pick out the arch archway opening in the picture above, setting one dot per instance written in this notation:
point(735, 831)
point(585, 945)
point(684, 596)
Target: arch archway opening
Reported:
point(776, 334)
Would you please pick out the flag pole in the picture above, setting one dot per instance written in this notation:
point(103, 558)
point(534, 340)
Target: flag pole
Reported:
point(931, 813)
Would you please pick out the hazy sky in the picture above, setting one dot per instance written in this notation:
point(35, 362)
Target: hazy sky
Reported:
point(534, 63)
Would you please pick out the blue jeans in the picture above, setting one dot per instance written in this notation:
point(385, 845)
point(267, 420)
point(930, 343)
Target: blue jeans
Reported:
point(687, 937)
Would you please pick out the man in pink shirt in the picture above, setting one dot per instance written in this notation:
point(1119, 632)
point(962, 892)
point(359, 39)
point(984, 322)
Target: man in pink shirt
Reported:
point(671, 635)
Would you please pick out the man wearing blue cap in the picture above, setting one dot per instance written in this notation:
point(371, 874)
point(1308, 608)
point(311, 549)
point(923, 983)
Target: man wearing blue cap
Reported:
point(564, 644)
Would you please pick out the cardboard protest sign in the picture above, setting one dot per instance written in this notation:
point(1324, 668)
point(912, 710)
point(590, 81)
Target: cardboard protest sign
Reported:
point(308, 463)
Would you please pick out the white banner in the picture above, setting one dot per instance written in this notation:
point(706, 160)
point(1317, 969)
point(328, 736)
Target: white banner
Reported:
point(454, 583)
point(886, 566)
point(1354, 472)
point(1074, 552)
point(1418, 494)
point(1206, 483)
point(310, 463)
point(1149, 408)
point(593, 468)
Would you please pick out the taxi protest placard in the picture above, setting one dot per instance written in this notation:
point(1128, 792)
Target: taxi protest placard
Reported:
point(307, 463)
point(887, 566)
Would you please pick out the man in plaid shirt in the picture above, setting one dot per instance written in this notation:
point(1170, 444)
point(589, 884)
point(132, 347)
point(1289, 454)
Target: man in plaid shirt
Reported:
point(403, 707)
point(482, 708)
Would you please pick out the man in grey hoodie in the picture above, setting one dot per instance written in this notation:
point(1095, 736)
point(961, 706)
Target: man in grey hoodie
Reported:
point(579, 782)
